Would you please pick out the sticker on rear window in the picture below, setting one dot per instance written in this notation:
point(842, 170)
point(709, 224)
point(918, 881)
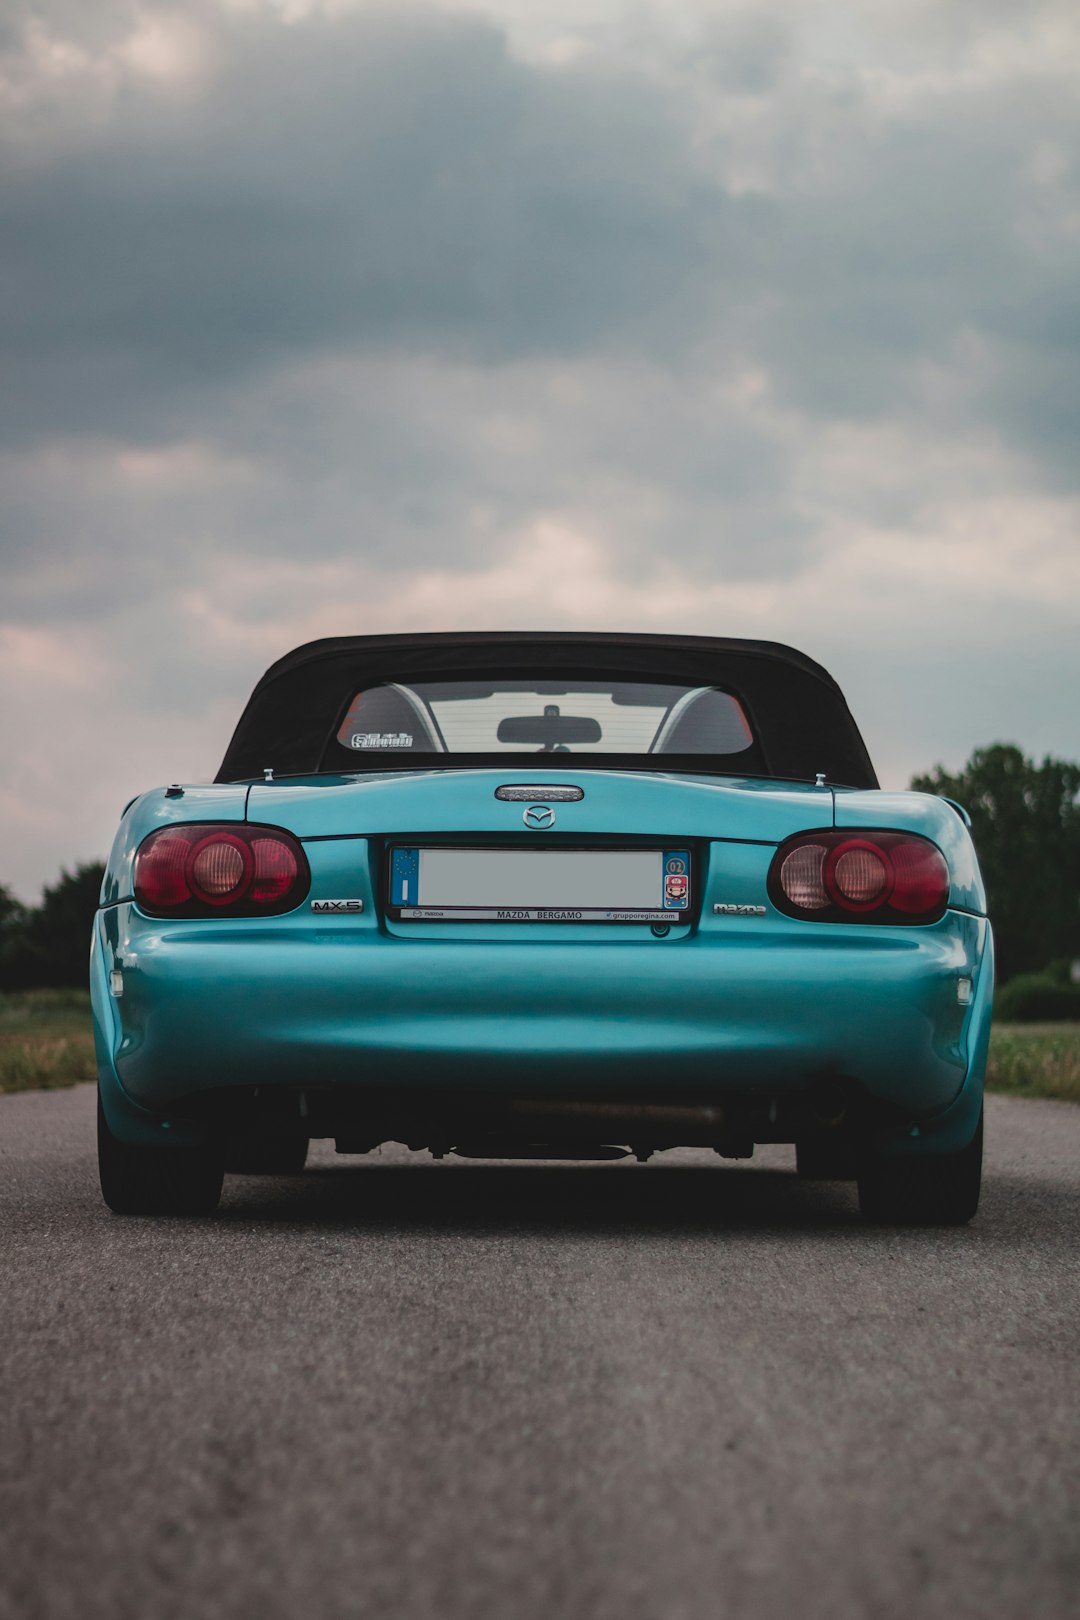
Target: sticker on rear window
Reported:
point(381, 739)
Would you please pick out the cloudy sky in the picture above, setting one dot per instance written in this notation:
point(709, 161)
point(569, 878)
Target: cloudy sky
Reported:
point(739, 318)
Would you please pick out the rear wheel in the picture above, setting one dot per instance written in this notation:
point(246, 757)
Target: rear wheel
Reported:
point(934, 1189)
point(284, 1157)
point(137, 1180)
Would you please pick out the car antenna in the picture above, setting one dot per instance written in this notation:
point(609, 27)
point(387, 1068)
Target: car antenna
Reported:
point(819, 779)
point(268, 773)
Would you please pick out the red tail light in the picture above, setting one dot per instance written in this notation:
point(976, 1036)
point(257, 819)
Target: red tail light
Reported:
point(218, 871)
point(840, 876)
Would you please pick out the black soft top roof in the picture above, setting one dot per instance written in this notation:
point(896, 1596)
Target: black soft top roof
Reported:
point(795, 707)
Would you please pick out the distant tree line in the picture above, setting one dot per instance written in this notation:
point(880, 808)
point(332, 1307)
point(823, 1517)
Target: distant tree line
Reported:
point(49, 944)
point(1025, 820)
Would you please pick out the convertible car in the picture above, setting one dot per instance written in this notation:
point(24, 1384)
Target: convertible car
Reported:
point(543, 896)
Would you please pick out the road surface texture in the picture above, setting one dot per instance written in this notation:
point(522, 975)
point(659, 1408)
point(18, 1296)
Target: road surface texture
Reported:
point(400, 1388)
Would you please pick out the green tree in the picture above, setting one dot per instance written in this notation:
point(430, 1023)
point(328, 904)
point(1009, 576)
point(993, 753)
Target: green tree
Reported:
point(58, 932)
point(1025, 820)
point(14, 921)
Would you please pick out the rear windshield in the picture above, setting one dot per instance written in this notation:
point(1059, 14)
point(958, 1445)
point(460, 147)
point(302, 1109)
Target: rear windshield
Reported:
point(674, 704)
point(543, 717)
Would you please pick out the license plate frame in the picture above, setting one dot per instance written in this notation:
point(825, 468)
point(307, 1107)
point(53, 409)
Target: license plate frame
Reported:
point(534, 870)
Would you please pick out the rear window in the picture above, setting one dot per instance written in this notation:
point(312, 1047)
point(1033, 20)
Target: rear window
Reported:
point(516, 717)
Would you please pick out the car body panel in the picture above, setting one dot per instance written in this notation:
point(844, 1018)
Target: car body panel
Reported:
point(646, 804)
point(727, 1003)
point(436, 803)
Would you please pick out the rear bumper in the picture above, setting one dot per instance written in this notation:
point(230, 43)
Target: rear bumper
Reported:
point(750, 1011)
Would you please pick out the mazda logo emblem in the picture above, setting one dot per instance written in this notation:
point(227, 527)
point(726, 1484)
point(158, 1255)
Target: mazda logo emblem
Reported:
point(540, 816)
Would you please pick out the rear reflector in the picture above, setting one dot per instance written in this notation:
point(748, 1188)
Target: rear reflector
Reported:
point(920, 874)
point(202, 870)
point(837, 876)
point(275, 869)
point(159, 869)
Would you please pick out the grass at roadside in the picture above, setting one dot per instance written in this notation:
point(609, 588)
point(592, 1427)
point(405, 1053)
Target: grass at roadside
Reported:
point(1035, 1060)
point(45, 1041)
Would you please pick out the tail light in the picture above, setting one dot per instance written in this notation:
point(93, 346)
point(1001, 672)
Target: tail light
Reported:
point(220, 871)
point(839, 876)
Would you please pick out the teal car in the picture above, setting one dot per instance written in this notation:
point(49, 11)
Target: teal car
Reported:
point(555, 896)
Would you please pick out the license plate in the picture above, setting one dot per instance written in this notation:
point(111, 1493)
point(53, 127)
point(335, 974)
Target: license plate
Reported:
point(440, 884)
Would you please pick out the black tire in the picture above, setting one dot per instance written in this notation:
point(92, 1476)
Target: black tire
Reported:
point(284, 1157)
point(823, 1160)
point(933, 1189)
point(139, 1180)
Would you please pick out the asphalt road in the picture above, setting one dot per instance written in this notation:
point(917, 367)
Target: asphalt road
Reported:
point(399, 1388)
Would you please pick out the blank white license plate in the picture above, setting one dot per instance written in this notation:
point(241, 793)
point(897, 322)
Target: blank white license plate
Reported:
point(439, 884)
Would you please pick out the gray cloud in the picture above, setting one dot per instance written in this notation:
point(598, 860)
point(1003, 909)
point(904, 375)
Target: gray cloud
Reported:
point(400, 184)
point(394, 182)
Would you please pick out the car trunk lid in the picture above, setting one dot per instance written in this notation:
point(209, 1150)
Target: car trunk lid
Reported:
point(449, 803)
